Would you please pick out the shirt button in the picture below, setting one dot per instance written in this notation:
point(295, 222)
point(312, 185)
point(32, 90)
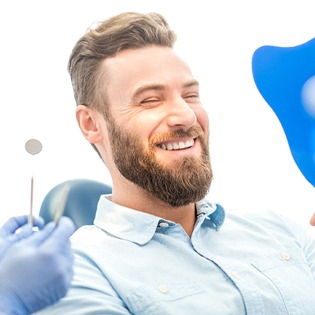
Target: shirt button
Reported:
point(164, 224)
point(235, 275)
point(286, 256)
point(163, 288)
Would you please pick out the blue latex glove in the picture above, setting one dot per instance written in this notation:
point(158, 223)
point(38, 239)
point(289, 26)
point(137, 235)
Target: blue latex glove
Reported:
point(36, 271)
point(8, 235)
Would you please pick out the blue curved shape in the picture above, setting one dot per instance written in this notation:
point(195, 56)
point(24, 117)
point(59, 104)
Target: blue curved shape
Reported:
point(280, 74)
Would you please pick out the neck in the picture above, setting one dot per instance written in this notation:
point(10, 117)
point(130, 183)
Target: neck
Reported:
point(138, 199)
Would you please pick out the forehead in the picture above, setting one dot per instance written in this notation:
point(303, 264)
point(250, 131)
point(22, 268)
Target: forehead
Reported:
point(131, 68)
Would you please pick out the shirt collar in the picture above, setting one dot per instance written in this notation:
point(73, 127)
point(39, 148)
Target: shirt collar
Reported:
point(213, 212)
point(139, 227)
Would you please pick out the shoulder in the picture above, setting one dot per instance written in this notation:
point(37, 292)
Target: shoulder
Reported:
point(273, 222)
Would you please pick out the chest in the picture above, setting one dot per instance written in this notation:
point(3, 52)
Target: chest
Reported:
point(172, 275)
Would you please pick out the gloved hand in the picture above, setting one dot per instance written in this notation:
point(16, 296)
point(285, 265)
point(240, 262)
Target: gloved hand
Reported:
point(8, 234)
point(37, 271)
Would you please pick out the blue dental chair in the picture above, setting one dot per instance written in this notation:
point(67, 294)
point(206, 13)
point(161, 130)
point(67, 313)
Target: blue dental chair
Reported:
point(80, 202)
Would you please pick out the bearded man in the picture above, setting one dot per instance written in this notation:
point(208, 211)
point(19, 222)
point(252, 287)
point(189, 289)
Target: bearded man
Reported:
point(157, 245)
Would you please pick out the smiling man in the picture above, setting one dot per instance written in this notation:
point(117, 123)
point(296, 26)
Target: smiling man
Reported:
point(157, 246)
point(151, 132)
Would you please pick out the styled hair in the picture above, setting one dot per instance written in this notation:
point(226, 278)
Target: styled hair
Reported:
point(129, 30)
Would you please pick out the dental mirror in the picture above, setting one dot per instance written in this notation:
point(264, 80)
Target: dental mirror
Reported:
point(33, 147)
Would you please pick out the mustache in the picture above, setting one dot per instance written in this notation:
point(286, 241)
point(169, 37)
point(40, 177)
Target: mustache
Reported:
point(193, 132)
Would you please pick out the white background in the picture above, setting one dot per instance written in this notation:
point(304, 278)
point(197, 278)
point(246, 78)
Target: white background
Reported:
point(253, 166)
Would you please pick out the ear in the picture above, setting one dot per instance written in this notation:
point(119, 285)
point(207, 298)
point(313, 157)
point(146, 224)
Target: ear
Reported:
point(90, 123)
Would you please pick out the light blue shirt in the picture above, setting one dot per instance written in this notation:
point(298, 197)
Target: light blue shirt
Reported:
point(132, 262)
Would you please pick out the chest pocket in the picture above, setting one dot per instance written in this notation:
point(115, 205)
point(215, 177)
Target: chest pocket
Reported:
point(164, 298)
point(178, 297)
point(290, 274)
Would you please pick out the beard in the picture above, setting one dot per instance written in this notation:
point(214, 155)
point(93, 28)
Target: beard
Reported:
point(178, 183)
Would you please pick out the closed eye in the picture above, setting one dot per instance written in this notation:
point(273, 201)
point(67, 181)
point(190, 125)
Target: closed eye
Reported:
point(150, 101)
point(192, 97)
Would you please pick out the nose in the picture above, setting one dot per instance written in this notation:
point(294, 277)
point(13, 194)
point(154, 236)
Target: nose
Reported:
point(180, 114)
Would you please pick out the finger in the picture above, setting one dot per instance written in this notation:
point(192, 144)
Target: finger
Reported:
point(65, 227)
point(40, 236)
point(312, 220)
point(23, 232)
point(61, 233)
point(14, 223)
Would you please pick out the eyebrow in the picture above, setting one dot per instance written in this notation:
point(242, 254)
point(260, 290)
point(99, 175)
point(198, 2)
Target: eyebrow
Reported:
point(191, 83)
point(160, 87)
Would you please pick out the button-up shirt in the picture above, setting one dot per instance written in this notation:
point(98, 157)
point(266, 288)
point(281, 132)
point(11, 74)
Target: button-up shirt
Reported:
point(131, 262)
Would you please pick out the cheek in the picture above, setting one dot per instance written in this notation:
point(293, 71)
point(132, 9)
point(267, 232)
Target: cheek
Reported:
point(145, 124)
point(202, 118)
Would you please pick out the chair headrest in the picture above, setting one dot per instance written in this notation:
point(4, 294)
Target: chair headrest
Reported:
point(80, 204)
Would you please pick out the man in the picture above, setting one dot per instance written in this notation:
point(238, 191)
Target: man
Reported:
point(35, 267)
point(157, 247)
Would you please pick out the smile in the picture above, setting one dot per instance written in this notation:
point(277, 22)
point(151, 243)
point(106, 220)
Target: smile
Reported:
point(177, 145)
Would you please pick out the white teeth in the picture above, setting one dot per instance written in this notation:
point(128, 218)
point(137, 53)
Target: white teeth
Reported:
point(177, 145)
point(169, 146)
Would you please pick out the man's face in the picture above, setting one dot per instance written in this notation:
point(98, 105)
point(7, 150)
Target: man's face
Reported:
point(158, 129)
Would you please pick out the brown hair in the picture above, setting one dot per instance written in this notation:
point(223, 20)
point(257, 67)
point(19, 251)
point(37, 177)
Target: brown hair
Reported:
point(128, 30)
